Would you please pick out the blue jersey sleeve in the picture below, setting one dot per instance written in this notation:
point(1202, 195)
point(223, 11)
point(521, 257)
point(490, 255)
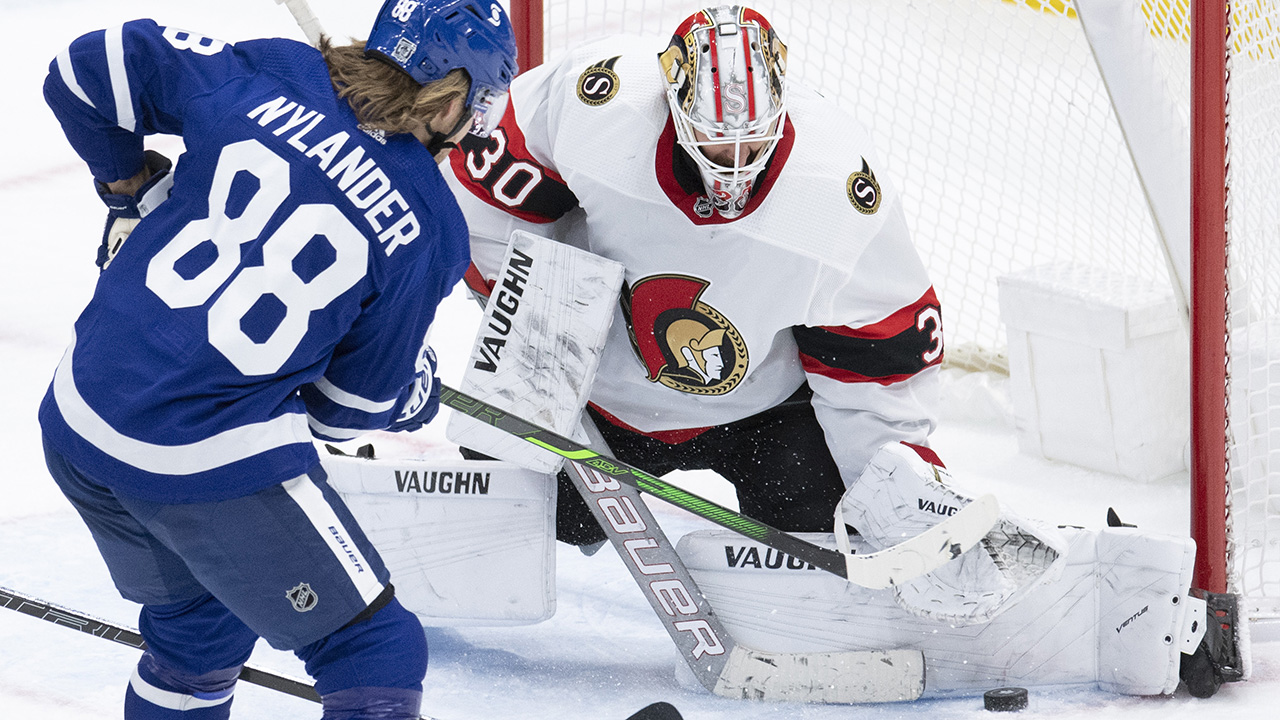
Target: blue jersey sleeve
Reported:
point(111, 87)
point(364, 386)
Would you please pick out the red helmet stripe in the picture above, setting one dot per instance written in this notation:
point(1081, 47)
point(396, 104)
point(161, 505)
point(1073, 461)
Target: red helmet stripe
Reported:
point(751, 82)
point(715, 75)
point(698, 19)
point(751, 16)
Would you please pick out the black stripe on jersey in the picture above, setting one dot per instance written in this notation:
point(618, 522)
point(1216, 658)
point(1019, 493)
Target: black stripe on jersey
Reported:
point(884, 353)
point(501, 172)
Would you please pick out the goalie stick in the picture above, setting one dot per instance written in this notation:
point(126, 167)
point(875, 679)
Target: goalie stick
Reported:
point(75, 620)
point(719, 663)
point(909, 559)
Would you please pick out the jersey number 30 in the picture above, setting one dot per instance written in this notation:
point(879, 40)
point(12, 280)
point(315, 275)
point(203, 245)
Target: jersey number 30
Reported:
point(275, 276)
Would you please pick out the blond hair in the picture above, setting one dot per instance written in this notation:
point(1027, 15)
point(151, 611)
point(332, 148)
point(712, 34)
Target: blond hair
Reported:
point(382, 95)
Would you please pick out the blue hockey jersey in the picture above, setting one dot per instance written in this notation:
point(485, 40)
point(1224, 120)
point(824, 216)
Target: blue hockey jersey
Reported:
point(282, 292)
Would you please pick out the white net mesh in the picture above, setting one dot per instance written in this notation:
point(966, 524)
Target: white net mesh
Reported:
point(994, 121)
point(1253, 300)
point(998, 128)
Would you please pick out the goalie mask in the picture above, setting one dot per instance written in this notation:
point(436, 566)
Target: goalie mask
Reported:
point(724, 71)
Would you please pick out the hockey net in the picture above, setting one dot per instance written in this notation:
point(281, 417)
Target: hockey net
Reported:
point(1001, 134)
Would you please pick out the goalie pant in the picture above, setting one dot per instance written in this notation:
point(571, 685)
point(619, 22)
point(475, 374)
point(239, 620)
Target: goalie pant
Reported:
point(1115, 617)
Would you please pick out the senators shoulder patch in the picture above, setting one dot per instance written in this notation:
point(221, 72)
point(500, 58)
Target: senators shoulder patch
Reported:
point(863, 190)
point(598, 84)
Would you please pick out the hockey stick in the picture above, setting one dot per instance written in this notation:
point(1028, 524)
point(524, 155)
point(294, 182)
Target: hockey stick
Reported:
point(719, 663)
point(306, 19)
point(76, 620)
point(909, 559)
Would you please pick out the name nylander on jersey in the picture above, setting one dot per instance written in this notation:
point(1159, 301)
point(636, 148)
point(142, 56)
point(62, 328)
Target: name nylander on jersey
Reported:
point(282, 292)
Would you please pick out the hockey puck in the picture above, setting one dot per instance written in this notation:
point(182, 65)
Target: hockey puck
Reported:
point(657, 711)
point(1006, 699)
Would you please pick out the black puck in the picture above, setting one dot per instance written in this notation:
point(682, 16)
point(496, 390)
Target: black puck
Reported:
point(1005, 699)
point(657, 711)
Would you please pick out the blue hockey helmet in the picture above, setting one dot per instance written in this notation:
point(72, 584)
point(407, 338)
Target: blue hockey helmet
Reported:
point(429, 38)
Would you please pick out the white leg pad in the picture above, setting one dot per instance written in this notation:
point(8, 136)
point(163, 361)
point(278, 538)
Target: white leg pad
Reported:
point(1112, 619)
point(1142, 600)
point(468, 542)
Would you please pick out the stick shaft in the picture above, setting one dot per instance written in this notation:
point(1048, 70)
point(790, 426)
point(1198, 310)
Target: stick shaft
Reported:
point(97, 627)
point(824, 558)
point(306, 19)
point(665, 582)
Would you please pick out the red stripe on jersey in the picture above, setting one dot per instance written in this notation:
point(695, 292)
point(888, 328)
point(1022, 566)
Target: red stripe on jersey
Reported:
point(817, 367)
point(892, 326)
point(887, 352)
point(686, 202)
point(670, 437)
point(476, 282)
point(502, 172)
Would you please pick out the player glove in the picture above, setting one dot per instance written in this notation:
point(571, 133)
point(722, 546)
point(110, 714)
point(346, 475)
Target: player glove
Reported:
point(421, 400)
point(124, 211)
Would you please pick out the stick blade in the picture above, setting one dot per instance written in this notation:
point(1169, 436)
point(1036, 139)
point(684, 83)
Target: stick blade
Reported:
point(852, 677)
point(927, 551)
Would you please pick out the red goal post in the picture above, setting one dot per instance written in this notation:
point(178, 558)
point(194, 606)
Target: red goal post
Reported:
point(1009, 147)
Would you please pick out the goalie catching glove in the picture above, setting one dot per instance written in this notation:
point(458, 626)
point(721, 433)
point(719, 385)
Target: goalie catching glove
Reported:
point(900, 494)
point(124, 211)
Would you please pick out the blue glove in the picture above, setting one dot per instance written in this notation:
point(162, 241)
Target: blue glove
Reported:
point(421, 400)
point(124, 211)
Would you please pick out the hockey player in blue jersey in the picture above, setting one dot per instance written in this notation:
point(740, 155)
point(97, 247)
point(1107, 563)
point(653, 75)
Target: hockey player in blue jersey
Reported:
point(274, 286)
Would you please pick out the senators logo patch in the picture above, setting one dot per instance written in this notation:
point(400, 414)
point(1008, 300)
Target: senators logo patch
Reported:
point(683, 342)
point(599, 83)
point(863, 190)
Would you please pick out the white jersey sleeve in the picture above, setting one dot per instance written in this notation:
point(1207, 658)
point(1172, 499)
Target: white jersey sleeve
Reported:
point(876, 381)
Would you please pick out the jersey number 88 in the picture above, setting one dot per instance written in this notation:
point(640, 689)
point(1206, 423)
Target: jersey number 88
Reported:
point(275, 276)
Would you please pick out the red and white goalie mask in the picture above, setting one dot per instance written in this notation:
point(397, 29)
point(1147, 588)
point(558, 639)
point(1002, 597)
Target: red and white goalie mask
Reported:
point(725, 71)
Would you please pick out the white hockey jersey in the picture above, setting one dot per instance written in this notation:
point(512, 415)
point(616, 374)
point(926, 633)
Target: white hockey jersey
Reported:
point(720, 319)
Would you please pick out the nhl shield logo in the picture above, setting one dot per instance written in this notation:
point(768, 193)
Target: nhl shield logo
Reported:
point(302, 597)
point(684, 343)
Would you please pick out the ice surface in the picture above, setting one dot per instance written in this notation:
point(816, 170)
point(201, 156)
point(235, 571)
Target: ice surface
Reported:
point(602, 656)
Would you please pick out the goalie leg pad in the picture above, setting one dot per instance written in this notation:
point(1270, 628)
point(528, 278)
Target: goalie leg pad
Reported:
point(1143, 583)
point(1086, 626)
point(900, 495)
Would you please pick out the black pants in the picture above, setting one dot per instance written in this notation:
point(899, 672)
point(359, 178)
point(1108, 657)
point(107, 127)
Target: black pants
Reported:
point(777, 461)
